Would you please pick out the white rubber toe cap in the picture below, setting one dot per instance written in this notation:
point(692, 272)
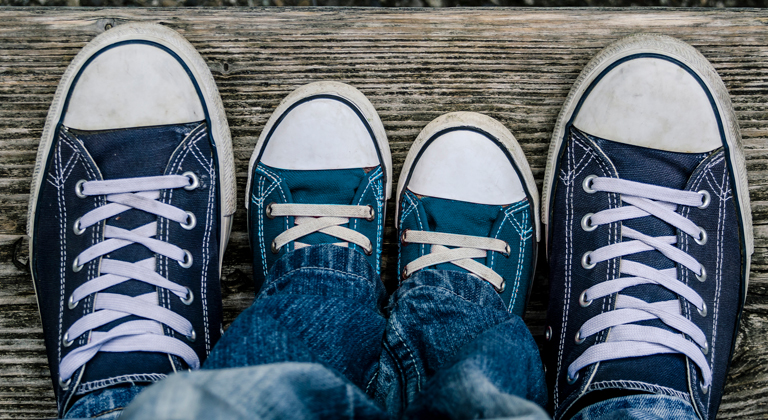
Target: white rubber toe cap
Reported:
point(467, 166)
point(319, 134)
point(654, 103)
point(132, 85)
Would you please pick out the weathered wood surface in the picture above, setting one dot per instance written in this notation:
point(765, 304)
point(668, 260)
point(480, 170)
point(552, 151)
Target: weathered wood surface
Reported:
point(515, 65)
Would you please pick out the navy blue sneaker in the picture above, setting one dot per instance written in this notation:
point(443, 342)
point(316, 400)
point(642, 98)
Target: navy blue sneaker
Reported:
point(321, 173)
point(467, 201)
point(649, 230)
point(132, 197)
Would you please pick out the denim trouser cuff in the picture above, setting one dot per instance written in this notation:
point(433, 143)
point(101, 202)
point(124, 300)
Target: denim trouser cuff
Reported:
point(319, 304)
point(326, 270)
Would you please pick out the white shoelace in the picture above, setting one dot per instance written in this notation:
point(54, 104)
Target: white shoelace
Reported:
point(627, 339)
point(468, 247)
point(141, 335)
point(324, 218)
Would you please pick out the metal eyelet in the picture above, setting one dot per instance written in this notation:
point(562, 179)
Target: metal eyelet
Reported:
point(191, 338)
point(503, 286)
point(268, 210)
point(705, 199)
point(703, 276)
point(586, 223)
point(71, 304)
point(76, 228)
point(64, 384)
point(704, 389)
point(705, 349)
point(587, 184)
point(193, 181)
point(274, 248)
point(507, 250)
point(548, 333)
point(573, 380)
point(585, 261)
point(402, 237)
point(579, 339)
point(583, 299)
point(187, 262)
point(371, 215)
point(405, 274)
point(65, 341)
point(702, 239)
point(191, 221)
point(76, 265)
point(79, 189)
point(187, 300)
point(703, 310)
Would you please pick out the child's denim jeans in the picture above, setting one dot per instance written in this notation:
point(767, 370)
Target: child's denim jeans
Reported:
point(317, 343)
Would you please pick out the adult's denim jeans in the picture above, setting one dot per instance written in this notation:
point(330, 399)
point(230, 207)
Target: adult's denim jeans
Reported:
point(316, 344)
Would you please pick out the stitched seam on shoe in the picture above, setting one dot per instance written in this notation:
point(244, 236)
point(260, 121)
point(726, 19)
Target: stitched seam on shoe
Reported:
point(722, 194)
point(379, 193)
point(67, 169)
point(181, 157)
point(400, 244)
point(260, 200)
point(571, 175)
point(174, 167)
point(642, 386)
point(63, 245)
point(206, 240)
point(496, 235)
point(277, 182)
point(724, 190)
point(422, 247)
point(132, 378)
point(371, 179)
point(260, 216)
point(520, 261)
point(685, 242)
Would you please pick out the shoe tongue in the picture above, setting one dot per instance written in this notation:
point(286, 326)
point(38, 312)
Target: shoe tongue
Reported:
point(130, 153)
point(666, 169)
point(461, 218)
point(134, 152)
point(654, 167)
point(337, 186)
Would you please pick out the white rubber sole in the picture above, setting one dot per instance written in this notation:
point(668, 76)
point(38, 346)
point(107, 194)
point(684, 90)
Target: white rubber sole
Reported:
point(219, 127)
point(331, 88)
point(484, 123)
point(663, 45)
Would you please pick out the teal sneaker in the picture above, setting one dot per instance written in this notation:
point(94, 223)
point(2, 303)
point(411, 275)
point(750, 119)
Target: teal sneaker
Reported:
point(467, 201)
point(321, 173)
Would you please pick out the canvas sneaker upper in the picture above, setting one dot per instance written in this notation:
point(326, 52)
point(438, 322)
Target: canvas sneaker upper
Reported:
point(321, 173)
point(129, 214)
point(649, 235)
point(467, 202)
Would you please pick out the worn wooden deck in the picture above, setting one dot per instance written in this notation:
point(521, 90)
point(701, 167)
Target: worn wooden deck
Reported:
point(515, 65)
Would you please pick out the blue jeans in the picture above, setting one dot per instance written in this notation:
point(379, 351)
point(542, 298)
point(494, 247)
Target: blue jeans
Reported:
point(316, 344)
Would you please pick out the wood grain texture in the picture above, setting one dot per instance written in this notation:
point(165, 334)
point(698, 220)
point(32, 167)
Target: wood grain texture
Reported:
point(515, 65)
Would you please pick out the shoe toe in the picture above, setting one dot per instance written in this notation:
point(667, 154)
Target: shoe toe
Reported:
point(467, 166)
point(321, 133)
point(132, 85)
point(651, 102)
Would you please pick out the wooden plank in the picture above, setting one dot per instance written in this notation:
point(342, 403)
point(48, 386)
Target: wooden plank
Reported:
point(515, 65)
